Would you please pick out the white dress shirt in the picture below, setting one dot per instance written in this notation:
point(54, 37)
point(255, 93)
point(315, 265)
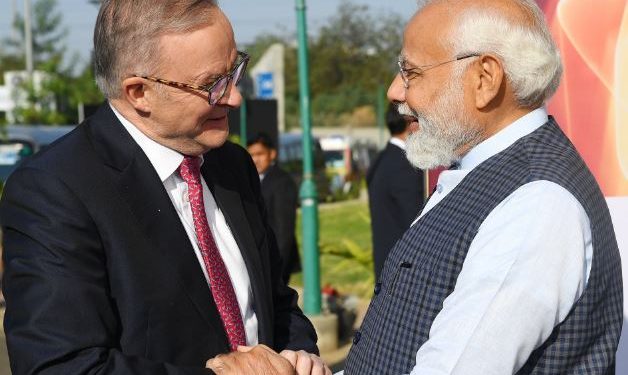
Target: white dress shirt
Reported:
point(398, 142)
point(527, 266)
point(166, 163)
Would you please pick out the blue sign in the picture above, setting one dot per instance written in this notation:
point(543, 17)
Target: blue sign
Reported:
point(265, 85)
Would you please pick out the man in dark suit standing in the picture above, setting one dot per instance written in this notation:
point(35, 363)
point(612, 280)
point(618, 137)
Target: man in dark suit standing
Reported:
point(138, 243)
point(395, 190)
point(281, 197)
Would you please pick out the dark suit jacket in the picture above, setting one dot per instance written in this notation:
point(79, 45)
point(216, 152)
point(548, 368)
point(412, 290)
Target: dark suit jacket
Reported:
point(395, 198)
point(100, 274)
point(281, 196)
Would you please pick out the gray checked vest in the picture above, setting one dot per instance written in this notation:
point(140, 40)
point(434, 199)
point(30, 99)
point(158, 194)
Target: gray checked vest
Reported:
point(423, 266)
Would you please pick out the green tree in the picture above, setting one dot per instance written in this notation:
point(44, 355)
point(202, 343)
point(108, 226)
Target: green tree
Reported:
point(350, 56)
point(67, 84)
point(47, 31)
point(39, 106)
point(353, 54)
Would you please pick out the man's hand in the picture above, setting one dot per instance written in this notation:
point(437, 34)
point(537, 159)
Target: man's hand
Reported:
point(306, 363)
point(257, 360)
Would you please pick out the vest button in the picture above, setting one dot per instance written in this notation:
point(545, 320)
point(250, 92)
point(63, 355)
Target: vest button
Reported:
point(378, 287)
point(357, 337)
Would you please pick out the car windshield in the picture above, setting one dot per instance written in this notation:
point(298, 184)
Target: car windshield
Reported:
point(334, 159)
point(11, 153)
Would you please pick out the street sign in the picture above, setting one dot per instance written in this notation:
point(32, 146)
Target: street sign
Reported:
point(265, 85)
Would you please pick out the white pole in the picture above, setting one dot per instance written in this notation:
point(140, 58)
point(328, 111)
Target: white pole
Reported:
point(14, 13)
point(28, 38)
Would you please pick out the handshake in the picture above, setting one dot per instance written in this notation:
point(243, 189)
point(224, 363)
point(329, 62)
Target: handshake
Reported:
point(262, 360)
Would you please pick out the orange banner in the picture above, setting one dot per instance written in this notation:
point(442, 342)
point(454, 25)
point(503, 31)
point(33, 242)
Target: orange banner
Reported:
point(591, 104)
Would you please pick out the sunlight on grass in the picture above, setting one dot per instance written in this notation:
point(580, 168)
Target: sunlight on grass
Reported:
point(345, 247)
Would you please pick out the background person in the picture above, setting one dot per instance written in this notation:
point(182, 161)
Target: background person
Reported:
point(281, 197)
point(513, 266)
point(395, 190)
point(138, 243)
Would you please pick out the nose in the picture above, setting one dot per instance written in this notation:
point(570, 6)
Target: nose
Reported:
point(232, 98)
point(397, 90)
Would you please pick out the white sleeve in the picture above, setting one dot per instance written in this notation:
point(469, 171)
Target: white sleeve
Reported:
point(525, 269)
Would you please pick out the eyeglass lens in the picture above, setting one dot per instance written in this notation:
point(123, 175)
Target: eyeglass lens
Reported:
point(402, 71)
point(220, 88)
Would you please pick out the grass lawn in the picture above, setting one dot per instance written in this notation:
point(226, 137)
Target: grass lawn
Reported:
point(345, 247)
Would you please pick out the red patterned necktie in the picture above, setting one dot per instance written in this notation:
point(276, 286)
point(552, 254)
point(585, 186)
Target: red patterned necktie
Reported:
point(219, 281)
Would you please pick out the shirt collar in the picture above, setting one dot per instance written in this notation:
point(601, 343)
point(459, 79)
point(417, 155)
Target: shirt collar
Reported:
point(165, 160)
point(398, 142)
point(504, 138)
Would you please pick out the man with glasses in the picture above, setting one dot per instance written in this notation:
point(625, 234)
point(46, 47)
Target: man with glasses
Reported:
point(139, 243)
point(512, 266)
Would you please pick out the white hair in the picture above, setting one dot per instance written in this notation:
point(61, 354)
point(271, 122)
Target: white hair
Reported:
point(531, 59)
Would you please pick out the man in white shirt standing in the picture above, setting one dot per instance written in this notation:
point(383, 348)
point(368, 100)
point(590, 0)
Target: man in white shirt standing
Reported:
point(139, 243)
point(512, 266)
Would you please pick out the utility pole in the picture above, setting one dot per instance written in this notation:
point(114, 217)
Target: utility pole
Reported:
point(14, 15)
point(307, 193)
point(28, 39)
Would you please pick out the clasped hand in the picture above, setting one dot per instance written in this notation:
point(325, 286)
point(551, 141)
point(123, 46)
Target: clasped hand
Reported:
point(262, 360)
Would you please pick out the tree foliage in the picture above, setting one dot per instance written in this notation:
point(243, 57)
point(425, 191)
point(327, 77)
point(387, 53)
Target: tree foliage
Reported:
point(350, 57)
point(56, 100)
point(47, 32)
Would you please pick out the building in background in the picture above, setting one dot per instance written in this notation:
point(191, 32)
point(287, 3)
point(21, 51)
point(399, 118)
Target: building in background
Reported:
point(14, 94)
point(268, 80)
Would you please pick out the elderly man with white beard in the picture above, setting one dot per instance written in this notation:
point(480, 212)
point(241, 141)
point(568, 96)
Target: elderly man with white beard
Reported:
point(512, 266)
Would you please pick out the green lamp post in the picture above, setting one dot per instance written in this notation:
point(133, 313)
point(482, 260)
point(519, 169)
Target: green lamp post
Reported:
point(307, 193)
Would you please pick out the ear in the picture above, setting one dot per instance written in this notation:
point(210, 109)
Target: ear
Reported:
point(273, 154)
point(134, 91)
point(488, 80)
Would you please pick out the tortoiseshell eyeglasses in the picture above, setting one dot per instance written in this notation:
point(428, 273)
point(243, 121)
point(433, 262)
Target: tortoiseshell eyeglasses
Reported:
point(217, 89)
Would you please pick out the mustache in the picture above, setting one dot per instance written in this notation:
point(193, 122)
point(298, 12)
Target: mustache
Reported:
point(405, 110)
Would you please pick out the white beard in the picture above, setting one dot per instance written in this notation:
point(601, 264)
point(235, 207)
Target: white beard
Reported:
point(442, 131)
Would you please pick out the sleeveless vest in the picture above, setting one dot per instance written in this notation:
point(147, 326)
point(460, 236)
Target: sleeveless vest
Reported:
point(423, 266)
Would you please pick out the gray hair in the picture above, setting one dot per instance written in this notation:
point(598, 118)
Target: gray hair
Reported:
point(531, 59)
point(126, 35)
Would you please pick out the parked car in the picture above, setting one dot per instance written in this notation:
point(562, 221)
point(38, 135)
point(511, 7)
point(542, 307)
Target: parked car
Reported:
point(43, 135)
point(344, 165)
point(290, 158)
point(17, 142)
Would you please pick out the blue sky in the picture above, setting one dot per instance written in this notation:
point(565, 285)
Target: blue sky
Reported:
point(249, 17)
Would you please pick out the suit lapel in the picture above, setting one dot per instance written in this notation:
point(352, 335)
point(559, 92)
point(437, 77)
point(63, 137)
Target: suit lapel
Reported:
point(156, 216)
point(382, 155)
point(226, 193)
